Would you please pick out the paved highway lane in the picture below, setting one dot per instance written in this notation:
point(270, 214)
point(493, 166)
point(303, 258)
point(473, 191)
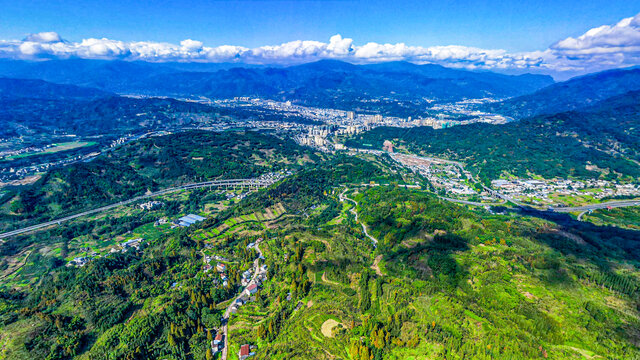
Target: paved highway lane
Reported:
point(251, 183)
point(605, 205)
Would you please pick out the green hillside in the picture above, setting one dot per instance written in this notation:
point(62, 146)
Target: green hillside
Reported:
point(444, 281)
point(147, 165)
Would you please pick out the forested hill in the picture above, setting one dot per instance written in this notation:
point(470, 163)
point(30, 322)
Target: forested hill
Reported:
point(38, 89)
point(147, 165)
point(108, 115)
point(557, 145)
point(573, 94)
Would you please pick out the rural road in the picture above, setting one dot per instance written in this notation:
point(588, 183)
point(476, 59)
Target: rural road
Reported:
point(216, 183)
point(227, 312)
point(354, 212)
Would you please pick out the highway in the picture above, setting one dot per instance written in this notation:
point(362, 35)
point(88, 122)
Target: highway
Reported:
point(605, 205)
point(472, 202)
point(250, 183)
point(507, 199)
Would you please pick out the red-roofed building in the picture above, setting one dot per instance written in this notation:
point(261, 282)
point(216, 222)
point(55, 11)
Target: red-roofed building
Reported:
point(218, 339)
point(244, 352)
point(252, 289)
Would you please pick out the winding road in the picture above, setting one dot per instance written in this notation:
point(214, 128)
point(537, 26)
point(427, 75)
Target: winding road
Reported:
point(354, 212)
point(251, 183)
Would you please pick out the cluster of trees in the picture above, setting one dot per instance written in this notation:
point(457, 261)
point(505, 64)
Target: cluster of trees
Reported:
point(380, 336)
point(396, 215)
point(309, 187)
point(68, 333)
point(112, 316)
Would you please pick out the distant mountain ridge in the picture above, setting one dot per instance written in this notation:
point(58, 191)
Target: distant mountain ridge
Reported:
point(28, 105)
point(39, 89)
point(572, 94)
point(323, 83)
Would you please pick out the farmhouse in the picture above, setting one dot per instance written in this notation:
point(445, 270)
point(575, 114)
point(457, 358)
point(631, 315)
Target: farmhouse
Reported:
point(252, 289)
point(245, 352)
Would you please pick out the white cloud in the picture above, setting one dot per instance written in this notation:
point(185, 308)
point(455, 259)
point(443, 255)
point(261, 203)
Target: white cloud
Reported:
point(602, 47)
point(44, 37)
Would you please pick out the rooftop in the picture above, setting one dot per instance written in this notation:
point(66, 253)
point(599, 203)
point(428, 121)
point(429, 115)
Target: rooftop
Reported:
point(244, 350)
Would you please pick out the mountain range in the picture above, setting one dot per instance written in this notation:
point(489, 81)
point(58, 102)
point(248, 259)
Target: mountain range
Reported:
point(39, 89)
point(322, 83)
point(572, 94)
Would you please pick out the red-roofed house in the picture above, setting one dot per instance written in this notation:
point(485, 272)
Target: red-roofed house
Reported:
point(218, 339)
point(252, 289)
point(244, 352)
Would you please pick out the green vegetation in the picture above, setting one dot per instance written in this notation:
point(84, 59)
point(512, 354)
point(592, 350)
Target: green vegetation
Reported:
point(456, 283)
point(55, 148)
point(149, 165)
point(444, 281)
point(627, 217)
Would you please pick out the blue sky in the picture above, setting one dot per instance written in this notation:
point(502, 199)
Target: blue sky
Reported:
point(512, 26)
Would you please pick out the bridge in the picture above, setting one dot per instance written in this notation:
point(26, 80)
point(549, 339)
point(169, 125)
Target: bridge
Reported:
point(251, 184)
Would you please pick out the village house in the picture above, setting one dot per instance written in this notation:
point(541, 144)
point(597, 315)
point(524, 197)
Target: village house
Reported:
point(245, 352)
point(252, 289)
point(218, 339)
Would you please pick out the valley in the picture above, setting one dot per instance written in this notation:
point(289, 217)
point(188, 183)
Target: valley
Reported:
point(318, 211)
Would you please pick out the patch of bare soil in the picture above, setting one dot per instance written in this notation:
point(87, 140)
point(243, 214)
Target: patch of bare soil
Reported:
point(327, 327)
point(376, 266)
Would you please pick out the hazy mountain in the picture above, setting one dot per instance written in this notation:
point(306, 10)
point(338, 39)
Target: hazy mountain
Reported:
point(28, 105)
point(326, 82)
point(39, 89)
point(573, 94)
point(103, 74)
point(110, 75)
point(323, 81)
